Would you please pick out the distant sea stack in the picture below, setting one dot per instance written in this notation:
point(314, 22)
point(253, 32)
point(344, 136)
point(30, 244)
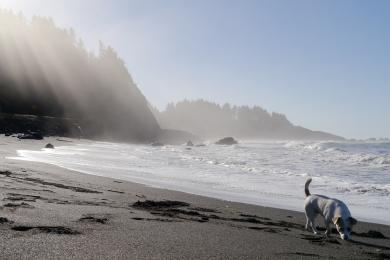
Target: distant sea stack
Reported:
point(209, 120)
point(49, 83)
point(226, 141)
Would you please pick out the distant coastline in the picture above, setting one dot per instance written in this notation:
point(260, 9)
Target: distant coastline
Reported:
point(210, 120)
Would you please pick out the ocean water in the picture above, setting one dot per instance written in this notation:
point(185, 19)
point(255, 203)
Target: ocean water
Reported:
point(261, 173)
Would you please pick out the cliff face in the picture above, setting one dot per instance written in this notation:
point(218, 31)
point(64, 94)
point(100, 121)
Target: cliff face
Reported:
point(45, 71)
point(210, 120)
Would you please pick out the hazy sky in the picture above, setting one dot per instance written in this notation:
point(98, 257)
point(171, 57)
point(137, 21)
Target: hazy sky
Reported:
point(325, 64)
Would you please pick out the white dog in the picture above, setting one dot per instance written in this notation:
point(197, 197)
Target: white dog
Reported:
point(333, 210)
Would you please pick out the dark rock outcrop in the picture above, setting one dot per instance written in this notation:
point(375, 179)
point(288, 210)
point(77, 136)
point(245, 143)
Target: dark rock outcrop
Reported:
point(31, 135)
point(11, 124)
point(227, 141)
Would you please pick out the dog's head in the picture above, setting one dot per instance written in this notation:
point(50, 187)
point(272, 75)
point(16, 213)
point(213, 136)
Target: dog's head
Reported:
point(344, 226)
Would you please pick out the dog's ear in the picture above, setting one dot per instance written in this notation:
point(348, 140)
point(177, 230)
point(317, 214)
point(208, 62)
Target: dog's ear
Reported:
point(352, 221)
point(336, 220)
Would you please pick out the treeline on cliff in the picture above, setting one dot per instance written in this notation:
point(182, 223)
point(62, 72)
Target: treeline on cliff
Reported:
point(46, 72)
point(210, 120)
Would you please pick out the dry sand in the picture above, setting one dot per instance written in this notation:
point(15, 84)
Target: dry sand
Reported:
point(47, 212)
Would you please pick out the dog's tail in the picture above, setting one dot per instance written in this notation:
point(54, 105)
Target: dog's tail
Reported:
point(307, 192)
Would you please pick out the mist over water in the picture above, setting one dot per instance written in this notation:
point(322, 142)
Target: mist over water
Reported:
point(262, 173)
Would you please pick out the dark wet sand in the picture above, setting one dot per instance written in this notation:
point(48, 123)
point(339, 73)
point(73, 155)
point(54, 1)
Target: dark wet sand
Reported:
point(47, 212)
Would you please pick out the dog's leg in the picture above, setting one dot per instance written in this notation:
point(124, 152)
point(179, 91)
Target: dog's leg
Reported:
point(310, 222)
point(307, 223)
point(310, 217)
point(328, 231)
point(313, 227)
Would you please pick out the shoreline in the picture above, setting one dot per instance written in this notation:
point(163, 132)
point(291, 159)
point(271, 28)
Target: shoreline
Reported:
point(262, 199)
point(269, 205)
point(48, 205)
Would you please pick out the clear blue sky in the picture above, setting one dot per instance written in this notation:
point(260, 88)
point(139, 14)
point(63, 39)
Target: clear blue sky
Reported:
point(325, 64)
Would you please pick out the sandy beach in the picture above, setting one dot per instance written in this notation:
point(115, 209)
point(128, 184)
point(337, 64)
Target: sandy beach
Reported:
point(47, 212)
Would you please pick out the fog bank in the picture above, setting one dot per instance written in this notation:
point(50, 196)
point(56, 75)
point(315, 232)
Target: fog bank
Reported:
point(46, 71)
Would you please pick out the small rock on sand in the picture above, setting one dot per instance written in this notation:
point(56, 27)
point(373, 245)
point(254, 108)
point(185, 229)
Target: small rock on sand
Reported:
point(49, 146)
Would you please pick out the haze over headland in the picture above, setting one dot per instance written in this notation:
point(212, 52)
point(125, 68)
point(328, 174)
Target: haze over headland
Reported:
point(45, 71)
point(323, 63)
point(210, 120)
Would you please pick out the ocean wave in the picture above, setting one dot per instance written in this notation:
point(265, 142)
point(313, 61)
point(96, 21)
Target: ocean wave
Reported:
point(313, 146)
point(350, 146)
point(373, 159)
point(377, 190)
point(375, 154)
